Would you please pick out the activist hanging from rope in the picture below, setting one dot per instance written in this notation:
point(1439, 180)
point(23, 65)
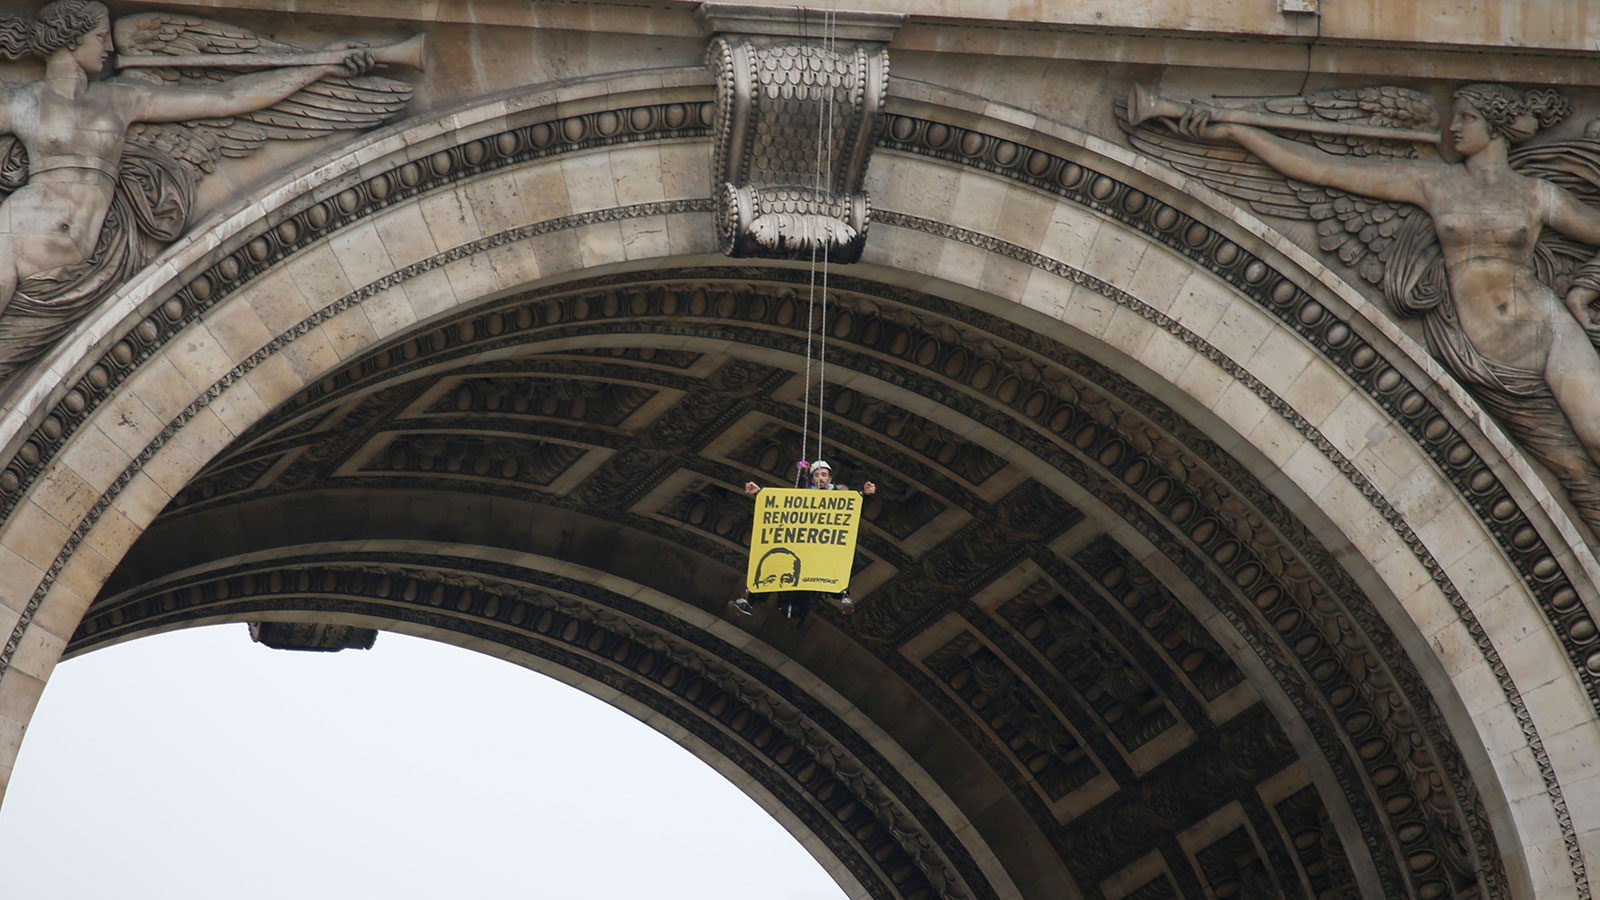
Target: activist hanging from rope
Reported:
point(803, 544)
point(803, 540)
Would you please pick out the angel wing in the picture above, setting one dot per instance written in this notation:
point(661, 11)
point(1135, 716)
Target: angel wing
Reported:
point(1382, 105)
point(1361, 231)
point(327, 105)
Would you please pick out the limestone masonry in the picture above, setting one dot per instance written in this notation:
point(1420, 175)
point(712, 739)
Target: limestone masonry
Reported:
point(1227, 373)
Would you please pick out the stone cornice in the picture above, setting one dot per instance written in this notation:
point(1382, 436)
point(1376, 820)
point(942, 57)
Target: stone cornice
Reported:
point(799, 22)
point(1547, 42)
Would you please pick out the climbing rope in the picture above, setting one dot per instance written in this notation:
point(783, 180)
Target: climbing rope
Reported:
point(824, 151)
point(829, 43)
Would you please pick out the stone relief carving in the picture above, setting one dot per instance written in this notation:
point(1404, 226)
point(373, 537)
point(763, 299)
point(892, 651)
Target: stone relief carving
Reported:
point(1481, 250)
point(795, 125)
point(98, 174)
point(1101, 673)
point(525, 461)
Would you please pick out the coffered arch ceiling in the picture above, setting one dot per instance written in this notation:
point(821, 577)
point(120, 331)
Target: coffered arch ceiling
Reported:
point(607, 423)
point(1101, 650)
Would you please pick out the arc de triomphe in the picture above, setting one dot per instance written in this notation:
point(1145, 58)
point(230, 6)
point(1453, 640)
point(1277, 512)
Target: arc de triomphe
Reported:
point(1222, 369)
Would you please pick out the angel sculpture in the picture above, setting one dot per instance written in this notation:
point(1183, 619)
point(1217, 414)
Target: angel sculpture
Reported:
point(1478, 249)
point(97, 175)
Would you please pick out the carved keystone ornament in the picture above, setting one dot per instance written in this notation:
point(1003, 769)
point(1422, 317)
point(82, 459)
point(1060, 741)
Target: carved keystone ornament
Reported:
point(799, 108)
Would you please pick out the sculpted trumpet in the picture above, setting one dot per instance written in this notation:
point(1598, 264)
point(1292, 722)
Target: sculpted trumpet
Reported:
point(1144, 105)
point(408, 52)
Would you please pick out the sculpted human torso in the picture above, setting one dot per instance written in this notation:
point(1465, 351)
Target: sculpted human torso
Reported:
point(73, 137)
point(1487, 225)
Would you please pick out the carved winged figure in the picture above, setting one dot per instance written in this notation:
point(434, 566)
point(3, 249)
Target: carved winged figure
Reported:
point(1480, 249)
point(97, 174)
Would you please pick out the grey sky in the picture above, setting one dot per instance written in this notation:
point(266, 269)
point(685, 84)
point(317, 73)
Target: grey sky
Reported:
point(200, 765)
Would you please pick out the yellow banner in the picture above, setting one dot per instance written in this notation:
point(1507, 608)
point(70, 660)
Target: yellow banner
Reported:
point(803, 540)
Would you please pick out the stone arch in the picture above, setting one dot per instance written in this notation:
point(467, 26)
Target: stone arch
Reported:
point(1143, 350)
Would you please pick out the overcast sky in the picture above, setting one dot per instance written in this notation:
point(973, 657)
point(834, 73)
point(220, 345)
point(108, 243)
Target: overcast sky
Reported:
point(200, 765)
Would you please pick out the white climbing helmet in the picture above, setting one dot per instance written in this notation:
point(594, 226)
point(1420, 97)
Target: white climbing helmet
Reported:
point(822, 464)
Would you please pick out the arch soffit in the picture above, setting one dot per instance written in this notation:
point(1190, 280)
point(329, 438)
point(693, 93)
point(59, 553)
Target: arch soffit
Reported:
point(879, 822)
point(293, 223)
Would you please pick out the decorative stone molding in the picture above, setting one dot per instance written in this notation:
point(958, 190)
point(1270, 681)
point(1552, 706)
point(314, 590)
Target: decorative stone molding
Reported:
point(799, 22)
point(798, 111)
point(270, 243)
point(1300, 612)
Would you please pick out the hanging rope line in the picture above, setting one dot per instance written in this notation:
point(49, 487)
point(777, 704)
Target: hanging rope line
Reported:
point(830, 43)
point(828, 561)
point(824, 147)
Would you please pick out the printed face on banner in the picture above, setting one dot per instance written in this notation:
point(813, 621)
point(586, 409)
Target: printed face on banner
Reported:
point(803, 540)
